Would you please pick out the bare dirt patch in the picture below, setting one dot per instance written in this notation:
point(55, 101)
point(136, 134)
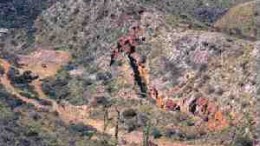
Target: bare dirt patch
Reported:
point(45, 63)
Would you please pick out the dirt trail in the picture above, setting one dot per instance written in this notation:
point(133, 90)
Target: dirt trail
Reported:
point(80, 114)
point(71, 114)
point(4, 80)
point(67, 112)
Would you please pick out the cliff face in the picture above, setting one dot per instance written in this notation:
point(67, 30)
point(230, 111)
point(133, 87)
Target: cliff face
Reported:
point(123, 66)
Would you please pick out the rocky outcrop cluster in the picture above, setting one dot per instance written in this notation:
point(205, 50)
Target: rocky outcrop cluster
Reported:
point(127, 45)
point(200, 107)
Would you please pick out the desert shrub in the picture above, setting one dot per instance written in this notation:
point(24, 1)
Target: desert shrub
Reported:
point(129, 114)
point(9, 56)
point(11, 132)
point(71, 89)
point(8, 99)
point(101, 101)
point(29, 93)
point(22, 79)
point(76, 90)
point(243, 141)
point(55, 88)
point(84, 130)
point(208, 14)
point(5, 111)
point(174, 133)
point(112, 86)
point(142, 119)
point(156, 133)
point(132, 119)
point(129, 119)
point(172, 68)
point(104, 76)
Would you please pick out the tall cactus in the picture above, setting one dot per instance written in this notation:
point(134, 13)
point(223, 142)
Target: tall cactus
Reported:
point(146, 132)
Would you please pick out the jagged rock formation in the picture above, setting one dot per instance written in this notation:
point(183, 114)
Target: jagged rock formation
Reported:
point(127, 44)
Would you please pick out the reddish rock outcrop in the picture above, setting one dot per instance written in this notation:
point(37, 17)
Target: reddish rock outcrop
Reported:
point(171, 105)
point(127, 45)
point(200, 107)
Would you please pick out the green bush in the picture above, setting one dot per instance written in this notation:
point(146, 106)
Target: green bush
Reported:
point(243, 141)
point(84, 130)
point(156, 133)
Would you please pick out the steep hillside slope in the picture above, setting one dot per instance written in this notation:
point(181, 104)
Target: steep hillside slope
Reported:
point(241, 20)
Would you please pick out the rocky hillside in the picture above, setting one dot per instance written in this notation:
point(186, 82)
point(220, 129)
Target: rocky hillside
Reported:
point(241, 20)
point(151, 73)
